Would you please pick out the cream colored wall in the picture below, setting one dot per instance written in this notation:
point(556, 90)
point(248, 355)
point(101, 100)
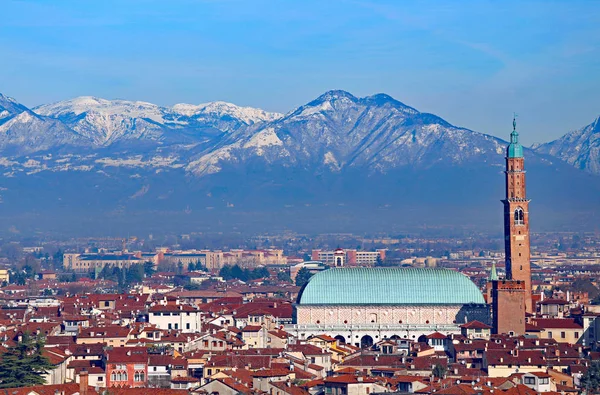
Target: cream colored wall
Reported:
point(356, 315)
point(569, 335)
point(505, 371)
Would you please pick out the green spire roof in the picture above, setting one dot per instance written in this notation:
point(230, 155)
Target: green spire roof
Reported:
point(515, 150)
point(493, 273)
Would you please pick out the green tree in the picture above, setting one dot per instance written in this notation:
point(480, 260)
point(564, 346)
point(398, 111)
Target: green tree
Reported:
point(191, 267)
point(239, 273)
point(23, 364)
point(134, 274)
point(259, 272)
point(148, 268)
point(439, 371)
point(591, 379)
point(57, 258)
point(303, 276)
point(225, 272)
point(284, 276)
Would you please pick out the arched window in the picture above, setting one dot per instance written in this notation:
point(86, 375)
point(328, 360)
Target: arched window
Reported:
point(519, 216)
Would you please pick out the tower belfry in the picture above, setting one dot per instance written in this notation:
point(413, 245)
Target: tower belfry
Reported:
point(516, 218)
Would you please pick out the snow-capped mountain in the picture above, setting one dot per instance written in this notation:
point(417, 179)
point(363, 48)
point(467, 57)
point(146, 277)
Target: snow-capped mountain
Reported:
point(106, 122)
point(221, 109)
point(337, 131)
point(22, 131)
point(339, 159)
point(580, 148)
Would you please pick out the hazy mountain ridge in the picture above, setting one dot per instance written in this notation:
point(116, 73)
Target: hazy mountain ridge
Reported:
point(330, 162)
point(333, 132)
point(580, 148)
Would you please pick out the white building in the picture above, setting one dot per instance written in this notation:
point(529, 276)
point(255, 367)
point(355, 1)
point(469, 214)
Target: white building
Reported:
point(175, 316)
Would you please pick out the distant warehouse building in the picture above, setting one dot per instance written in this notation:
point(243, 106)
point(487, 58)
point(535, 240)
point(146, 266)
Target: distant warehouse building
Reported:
point(348, 257)
point(362, 306)
point(84, 263)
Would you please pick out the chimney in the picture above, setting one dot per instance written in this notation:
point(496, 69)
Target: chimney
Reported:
point(83, 382)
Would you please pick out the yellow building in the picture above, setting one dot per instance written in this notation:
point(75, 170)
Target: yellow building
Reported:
point(563, 330)
point(4, 275)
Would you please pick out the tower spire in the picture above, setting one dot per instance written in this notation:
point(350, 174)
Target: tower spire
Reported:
point(515, 149)
point(493, 272)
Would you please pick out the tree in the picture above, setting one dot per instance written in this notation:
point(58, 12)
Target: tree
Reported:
point(591, 379)
point(259, 272)
point(239, 273)
point(439, 371)
point(284, 276)
point(303, 276)
point(134, 274)
point(225, 272)
point(148, 268)
point(23, 364)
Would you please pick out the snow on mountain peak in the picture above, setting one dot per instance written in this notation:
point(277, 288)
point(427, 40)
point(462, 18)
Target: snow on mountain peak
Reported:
point(248, 115)
point(86, 104)
point(9, 106)
point(335, 95)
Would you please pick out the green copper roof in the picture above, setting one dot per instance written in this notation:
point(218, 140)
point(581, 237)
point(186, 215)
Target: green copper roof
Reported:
point(493, 273)
point(390, 286)
point(515, 149)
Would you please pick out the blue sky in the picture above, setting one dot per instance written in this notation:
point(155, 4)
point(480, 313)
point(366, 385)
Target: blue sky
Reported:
point(472, 63)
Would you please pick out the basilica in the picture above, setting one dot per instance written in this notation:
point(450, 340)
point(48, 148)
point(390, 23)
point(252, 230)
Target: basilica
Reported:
point(361, 306)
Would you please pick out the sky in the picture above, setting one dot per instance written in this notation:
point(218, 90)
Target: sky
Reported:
point(474, 63)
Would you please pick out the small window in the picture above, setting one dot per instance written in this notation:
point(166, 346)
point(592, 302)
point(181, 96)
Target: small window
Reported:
point(563, 335)
point(529, 380)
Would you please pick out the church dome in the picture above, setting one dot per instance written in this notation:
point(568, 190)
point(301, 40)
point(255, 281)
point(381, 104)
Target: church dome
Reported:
point(389, 286)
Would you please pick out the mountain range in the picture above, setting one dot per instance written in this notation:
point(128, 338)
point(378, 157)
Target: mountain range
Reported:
point(338, 163)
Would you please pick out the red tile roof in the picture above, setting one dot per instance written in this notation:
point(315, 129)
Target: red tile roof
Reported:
point(556, 323)
point(475, 325)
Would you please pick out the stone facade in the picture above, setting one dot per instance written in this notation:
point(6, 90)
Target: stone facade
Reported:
point(354, 323)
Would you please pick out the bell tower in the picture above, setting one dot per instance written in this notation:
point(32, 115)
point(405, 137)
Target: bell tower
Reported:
point(516, 218)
